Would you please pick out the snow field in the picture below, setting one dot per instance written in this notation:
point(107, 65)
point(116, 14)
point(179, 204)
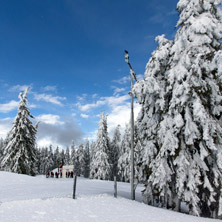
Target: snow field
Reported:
point(88, 208)
point(24, 198)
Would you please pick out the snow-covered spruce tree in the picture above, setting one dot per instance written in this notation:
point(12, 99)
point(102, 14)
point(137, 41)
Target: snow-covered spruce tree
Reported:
point(38, 161)
point(42, 157)
point(92, 149)
point(138, 156)
point(190, 132)
point(46, 160)
point(57, 158)
point(152, 97)
point(67, 156)
point(1, 150)
point(86, 167)
point(100, 167)
point(50, 162)
point(19, 155)
point(195, 106)
point(72, 157)
point(115, 150)
point(62, 156)
point(79, 160)
point(124, 156)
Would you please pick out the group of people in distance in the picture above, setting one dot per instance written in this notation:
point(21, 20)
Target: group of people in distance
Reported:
point(57, 175)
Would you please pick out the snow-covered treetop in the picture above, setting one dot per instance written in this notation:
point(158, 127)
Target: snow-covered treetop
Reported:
point(23, 95)
point(202, 17)
point(193, 8)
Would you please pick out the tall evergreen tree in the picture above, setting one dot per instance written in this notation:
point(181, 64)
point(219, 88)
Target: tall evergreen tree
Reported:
point(86, 167)
point(187, 138)
point(1, 150)
point(124, 156)
point(100, 166)
point(92, 150)
point(79, 160)
point(62, 156)
point(115, 150)
point(72, 157)
point(151, 95)
point(19, 154)
point(57, 157)
point(67, 156)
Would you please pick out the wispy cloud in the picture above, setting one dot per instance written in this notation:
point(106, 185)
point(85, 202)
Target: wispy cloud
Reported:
point(84, 116)
point(49, 98)
point(7, 107)
point(49, 88)
point(149, 37)
point(122, 80)
point(87, 107)
point(126, 79)
point(118, 90)
point(94, 95)
point(110, 101)
point(82, 97)
point(49, 119)
point(19, 88)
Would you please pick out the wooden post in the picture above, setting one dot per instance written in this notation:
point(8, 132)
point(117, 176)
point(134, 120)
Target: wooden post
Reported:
point(115, 187)
point(132, 142)
point(74, 187)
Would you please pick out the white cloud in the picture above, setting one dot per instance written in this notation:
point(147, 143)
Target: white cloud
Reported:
point(120, 115)
point(58, 134)
point(49, 88)
point(123, 80)
point(49, 98)
point(92, 136)
point(32, 106)
point(126, 79)
point(110, 101)
point(94, 95)
point(5, 126)
point(45, 142)
point(19, 88)
point(49, 119)
point(114, 101)
point(7, 107)
point(118, 90)
point(84, 116)
point(140, 77)
point(87, 107)
point(82, 97)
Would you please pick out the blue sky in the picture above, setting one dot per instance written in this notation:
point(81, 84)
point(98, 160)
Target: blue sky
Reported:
point(71, 54)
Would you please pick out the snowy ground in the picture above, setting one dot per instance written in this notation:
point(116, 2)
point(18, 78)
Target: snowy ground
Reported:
point(24, 198)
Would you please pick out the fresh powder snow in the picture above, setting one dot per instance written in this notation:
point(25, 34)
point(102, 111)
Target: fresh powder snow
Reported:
point(26, 198)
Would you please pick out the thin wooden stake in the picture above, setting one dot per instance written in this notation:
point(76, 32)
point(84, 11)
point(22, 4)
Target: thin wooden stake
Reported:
point(74, 187)
point(115, 187)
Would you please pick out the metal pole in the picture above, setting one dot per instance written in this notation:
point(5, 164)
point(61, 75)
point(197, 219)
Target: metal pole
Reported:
point(132, 76)
point(115, 187)
point(132, 141)
point(74, 187)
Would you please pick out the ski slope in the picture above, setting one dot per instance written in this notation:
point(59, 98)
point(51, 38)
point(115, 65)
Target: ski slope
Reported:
point(25, 198)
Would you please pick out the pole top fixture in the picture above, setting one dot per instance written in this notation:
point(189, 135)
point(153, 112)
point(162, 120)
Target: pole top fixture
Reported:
point(126, 56)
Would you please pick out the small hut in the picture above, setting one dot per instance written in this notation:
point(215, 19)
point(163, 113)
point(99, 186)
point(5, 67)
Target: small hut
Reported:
point(67, 170)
